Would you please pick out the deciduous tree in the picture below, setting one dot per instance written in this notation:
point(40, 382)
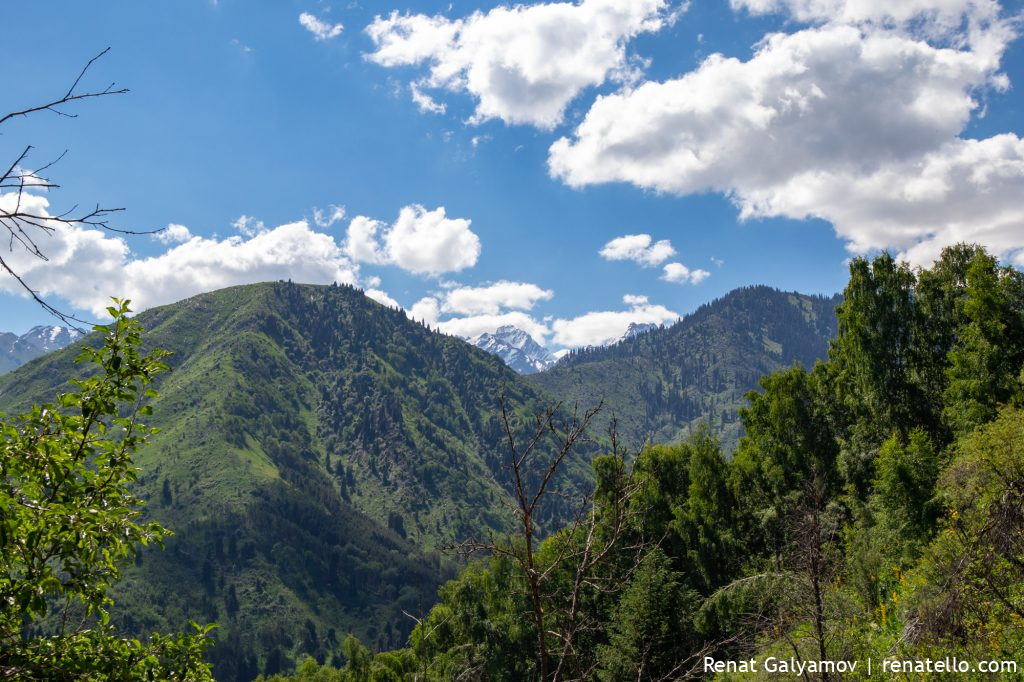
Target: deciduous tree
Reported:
point(69, 518)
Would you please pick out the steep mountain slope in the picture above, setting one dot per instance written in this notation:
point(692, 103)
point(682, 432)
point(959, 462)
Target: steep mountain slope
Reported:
point(316, 449)
point(516, 348)
point(7, 361)
point(17, 350)
point(659, 383)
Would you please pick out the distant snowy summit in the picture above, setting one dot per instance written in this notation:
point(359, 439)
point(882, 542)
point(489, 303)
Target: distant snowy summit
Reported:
point(522, 353)
point(17, 350)
point(49, 338)
point(634, 329)
point(517, 349)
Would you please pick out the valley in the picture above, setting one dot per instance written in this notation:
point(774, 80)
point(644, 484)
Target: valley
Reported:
point(318, 451)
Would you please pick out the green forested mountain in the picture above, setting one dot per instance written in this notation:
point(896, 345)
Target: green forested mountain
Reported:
point(872, 518)
point(316, 449)
point(660, 384)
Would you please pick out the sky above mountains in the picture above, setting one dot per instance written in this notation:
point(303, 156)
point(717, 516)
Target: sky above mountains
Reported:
point(565, 167)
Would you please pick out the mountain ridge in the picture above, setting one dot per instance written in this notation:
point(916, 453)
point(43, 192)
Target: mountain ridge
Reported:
point(16, 350)
point(660, 383)
point(316, 450)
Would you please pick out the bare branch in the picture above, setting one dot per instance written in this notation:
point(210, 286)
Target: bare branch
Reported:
point(68, 319)
point(22, 221)
point(69, 96)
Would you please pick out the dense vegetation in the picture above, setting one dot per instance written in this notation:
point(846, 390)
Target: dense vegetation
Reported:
point(315, 449)
point(661, 384)
point(68, 518)
point(874, 508)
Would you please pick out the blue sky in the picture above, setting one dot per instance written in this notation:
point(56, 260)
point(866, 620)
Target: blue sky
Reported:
point(565, 167)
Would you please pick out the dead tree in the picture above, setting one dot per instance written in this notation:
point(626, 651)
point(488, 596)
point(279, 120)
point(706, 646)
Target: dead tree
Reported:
point(794, 591)
point(812, 538)
point(533, 464)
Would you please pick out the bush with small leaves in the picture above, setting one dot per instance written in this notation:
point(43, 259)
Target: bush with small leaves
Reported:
point(69, 518)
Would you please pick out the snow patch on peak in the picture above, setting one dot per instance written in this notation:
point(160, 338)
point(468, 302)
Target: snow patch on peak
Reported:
point(46, 338)
point(17, 350)
point(516, 348)
point(521, 352)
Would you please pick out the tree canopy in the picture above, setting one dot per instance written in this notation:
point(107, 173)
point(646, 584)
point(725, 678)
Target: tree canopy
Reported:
point(873, 508)
point(69, 519)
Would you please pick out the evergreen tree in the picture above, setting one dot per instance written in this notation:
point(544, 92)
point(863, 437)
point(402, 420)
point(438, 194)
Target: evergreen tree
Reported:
point(871, 357)
point(789, 442)
point(985, 358)
point(651, 631)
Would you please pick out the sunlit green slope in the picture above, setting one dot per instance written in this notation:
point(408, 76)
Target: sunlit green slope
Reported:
point(316, 450)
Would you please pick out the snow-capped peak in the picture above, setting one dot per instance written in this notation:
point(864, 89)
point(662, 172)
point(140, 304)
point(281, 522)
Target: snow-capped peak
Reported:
point(48, 338)
point(515, 337)
point(518, 349)
point(16, 350)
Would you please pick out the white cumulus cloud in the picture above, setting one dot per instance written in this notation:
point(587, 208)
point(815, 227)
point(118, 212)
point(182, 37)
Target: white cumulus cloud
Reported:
point(425, 102)
point(420, 241)
point(468, 311)
point(856, 120)
point(965, 191)
point(173, 234)
point(82, 265)
point(491, 299)
point(936, 16)
point(321, 30)
point(474, 325)
point(326, 218)
point(382, 297)
point(248, 226)
point(87, 266)
point(639, 249)
point(597, 328)
point(362, 242)
point(426, 310)
point(680, 274)
point(522, 63)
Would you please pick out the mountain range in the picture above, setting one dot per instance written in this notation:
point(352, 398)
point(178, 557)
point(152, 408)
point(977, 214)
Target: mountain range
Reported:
point(17, 350)
point(522, 353)
point(318, 450)
point(658, 384)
